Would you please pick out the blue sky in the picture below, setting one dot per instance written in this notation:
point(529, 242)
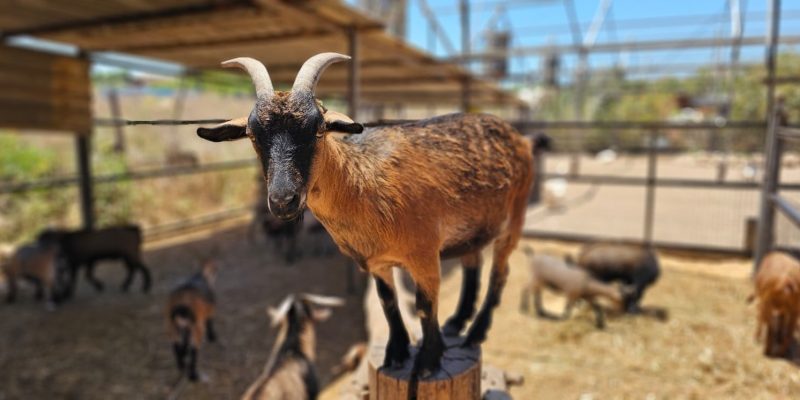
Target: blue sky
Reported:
point(538, 22)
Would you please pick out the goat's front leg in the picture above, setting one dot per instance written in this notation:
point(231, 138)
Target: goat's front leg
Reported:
point(599, 315)
point(430, 353)
point(397, 347)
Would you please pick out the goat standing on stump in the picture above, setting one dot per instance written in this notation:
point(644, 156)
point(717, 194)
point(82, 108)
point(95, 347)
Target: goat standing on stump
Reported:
point(574, 283)
point(190, 317)
point(636, 267)
point(290, 372)
point(777, 288)
point(87, 247)
point(396, 196)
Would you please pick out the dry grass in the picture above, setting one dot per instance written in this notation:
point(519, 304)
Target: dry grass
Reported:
point(705, 350)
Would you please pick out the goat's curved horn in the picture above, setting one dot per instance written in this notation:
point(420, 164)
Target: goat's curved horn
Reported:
point(258, 73)
point(311, 71)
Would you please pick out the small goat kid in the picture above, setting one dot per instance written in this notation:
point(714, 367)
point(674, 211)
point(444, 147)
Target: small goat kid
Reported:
point(290, 372)
point(777, 288)
point(39, 263)
point(190, 316)
point(396, 196)
point(576, 284)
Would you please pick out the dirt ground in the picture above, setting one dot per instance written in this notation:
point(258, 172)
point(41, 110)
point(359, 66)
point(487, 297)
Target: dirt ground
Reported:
point(113, 345)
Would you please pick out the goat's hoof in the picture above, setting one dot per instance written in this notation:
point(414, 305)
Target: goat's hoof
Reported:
point(193, 377)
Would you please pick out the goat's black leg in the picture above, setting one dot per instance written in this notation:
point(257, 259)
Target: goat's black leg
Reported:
point(470, 282)
point(146, 280)
point(98, 285)
point(39, 293)
point(130, 269)
point(430, 353)
point(600, 321)
point(477, 332)
point(72, 277)
point(397, 347)
point(192, 372)
point(180, 353)
point(211, 334)
point(11, 296)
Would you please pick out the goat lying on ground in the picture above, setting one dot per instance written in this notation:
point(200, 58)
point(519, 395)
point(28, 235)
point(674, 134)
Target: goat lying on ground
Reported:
point(636, 267)
point(190, 317)
point(574, 283)
point(401, 195)
point(777, 288)
point(290, 374)
point(37, 262)
point(84, 247)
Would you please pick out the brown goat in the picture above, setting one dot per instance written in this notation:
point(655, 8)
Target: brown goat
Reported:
point(396, 196)
point(573, 282)
point(777, 288)
point(39, 263)
point(290, 372)
point(190, 315)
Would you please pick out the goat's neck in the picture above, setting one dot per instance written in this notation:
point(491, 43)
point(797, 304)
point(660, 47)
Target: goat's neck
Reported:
point(338, 175)
point(294, 338)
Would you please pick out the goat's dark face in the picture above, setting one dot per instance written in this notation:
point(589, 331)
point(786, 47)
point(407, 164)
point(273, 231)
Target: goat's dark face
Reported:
point(284, 128)
point(284, 132)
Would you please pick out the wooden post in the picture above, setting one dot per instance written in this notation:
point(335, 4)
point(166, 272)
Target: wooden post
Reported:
point(83, 158)
point(354, 74)
point(459, 378)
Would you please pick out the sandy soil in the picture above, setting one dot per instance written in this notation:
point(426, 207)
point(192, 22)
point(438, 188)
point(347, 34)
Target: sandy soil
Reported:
point(113, 345)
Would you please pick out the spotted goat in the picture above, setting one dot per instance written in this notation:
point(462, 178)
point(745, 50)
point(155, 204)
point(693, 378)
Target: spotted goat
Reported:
point(395, 196)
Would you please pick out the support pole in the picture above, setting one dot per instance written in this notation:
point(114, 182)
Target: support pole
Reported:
point(354, 73)
point(650, 194)
point(766, 216)
point(465, 50)
point(83, 156)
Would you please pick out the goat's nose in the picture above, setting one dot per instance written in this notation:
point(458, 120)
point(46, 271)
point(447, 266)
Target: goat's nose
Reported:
point(283, 200)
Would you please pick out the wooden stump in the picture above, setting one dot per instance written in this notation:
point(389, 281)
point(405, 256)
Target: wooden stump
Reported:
point(459, 378)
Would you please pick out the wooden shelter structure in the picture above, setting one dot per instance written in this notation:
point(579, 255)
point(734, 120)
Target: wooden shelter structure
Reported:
point(199, 34)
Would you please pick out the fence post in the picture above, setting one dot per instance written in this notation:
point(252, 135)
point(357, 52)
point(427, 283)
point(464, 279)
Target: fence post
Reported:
point(650, 193)
point(83, 144)
point(766, 217)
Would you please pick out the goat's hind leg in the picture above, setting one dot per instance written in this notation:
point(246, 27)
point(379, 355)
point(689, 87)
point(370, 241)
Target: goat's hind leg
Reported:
point(397, 347)
point(470, 282)
point(497, 281)
point(96, 283)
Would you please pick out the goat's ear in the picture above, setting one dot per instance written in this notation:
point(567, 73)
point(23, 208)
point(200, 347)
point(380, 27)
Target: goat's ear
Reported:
point(234, 129)
point(338, 122)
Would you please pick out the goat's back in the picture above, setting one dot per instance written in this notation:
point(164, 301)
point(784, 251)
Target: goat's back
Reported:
point(777, 282)
point(609, 261)
point(555, 273)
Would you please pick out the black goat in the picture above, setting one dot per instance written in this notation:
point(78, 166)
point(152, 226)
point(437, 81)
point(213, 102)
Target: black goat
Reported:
point(290, 372)
point(634, 266)
point(86, 247)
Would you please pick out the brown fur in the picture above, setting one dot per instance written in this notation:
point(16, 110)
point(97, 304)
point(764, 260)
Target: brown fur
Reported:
point(399, 196)
point(36, 261)
point(777, 288)
point(190, 308)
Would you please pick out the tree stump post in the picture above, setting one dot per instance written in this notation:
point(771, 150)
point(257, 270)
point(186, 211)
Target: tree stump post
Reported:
point(459, 378)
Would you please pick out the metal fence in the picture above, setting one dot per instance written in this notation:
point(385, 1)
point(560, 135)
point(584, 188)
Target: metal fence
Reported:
point(674, 185)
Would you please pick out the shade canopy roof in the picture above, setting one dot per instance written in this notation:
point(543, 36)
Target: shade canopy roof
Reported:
point(200, 33)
